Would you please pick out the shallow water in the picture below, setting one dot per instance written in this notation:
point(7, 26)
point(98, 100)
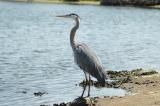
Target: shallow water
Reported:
point(35, 53)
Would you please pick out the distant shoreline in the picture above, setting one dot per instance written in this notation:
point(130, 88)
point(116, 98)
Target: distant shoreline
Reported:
point(75, 3)
point(57, 2)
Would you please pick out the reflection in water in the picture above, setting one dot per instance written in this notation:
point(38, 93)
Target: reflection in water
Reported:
point(35, 54)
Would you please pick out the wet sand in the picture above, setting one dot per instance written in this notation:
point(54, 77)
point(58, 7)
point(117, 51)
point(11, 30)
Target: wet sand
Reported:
point(145, 91)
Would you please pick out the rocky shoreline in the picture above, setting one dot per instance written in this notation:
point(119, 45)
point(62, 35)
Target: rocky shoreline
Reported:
point(143, 86)
point(145, 91)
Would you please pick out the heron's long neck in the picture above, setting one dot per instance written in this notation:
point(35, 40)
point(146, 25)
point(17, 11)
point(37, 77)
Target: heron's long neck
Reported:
point(72, 34)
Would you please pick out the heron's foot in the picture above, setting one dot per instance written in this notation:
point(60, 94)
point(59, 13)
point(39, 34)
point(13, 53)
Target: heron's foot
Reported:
point(85, 96)
point(81, 96)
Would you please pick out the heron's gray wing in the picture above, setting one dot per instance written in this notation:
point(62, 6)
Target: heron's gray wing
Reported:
point(88, 61)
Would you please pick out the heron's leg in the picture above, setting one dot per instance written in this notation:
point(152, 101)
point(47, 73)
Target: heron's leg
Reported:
point(89, 85)
point(85, 84)
point(86, 77)
point(84, 88)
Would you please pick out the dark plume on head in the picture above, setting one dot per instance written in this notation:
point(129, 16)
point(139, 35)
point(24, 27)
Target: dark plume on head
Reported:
point(73, 14)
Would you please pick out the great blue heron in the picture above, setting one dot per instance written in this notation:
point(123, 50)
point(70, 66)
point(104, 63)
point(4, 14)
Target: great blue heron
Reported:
point(84, 57)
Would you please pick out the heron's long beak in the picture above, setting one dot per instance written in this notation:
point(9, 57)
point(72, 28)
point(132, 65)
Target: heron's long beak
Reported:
point(62, 16)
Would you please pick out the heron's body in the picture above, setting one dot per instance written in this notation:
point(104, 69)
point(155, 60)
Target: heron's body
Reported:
point(89, 62)
point(84, 57)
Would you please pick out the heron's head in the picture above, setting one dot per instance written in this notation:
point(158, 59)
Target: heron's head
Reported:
point(72, 16)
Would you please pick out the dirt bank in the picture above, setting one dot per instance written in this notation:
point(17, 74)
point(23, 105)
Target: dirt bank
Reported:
point(145, 92)
point(144, 88)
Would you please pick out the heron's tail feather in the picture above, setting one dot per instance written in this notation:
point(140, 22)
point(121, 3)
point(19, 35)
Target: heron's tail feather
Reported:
point(102, 76)
point(101, 81)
